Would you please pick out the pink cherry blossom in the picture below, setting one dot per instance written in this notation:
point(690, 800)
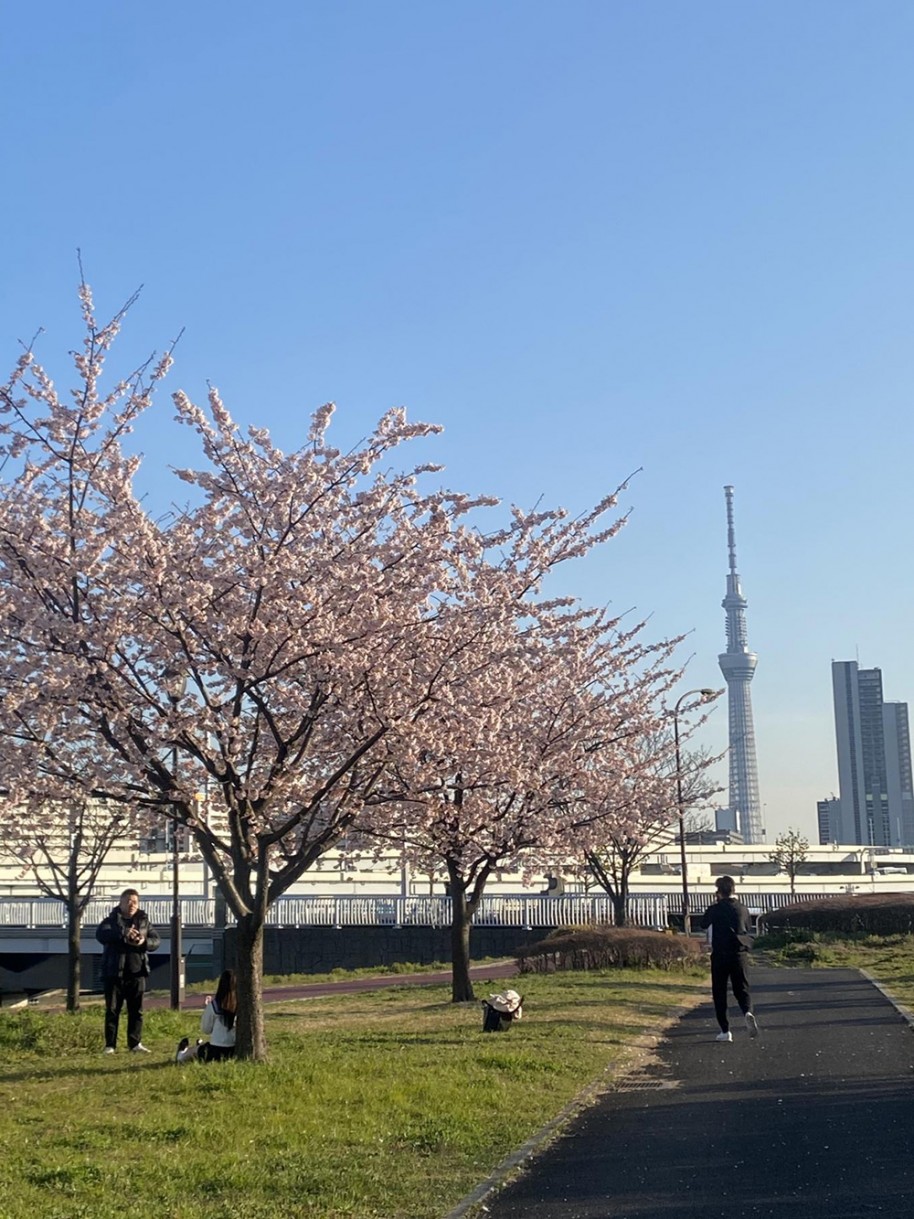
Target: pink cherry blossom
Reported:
point(337, 652)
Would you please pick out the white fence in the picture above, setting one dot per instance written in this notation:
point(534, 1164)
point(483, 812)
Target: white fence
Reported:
point(501, 911)
point(40, 912)
point(527, 912)
point(521, 911)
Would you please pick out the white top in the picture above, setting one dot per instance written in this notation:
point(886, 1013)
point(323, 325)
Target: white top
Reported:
point(213, 1024)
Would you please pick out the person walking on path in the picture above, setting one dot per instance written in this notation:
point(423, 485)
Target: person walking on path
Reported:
point(127, 938)
point(218, 1022)
point(730, 943)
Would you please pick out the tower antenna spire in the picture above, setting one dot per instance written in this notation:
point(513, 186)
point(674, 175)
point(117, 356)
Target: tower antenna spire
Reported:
point(737, 664)
point(731, 532)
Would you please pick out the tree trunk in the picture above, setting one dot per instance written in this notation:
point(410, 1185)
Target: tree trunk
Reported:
point(461, 986)
point(74, 927)
point(250, 1039)
point(620, 904)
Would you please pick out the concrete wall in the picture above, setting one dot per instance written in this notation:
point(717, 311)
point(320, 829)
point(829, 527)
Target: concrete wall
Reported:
point(304, 950)
point(23, 972)
point(287, 950)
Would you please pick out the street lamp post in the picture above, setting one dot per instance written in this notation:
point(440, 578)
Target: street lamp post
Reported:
point(177, 949)
point(175, 685)
point(686, 919)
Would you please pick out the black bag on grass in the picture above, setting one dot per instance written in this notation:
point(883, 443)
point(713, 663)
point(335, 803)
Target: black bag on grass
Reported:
point(500, 1011)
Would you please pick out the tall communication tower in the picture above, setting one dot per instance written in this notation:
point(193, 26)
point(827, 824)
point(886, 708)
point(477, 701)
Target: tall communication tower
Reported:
point(738, 667)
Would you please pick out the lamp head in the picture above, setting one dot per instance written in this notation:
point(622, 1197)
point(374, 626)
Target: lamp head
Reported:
point(175, 683)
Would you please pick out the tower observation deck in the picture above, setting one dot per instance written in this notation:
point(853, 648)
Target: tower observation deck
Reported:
point(737, 664)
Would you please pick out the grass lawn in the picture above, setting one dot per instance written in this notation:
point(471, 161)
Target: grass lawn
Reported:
point(389, 1105)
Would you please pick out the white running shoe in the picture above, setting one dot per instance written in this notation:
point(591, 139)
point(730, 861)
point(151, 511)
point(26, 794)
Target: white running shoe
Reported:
point(109, 1049)
point(724, 1037)
point(751, 1024)
point(139, 1048)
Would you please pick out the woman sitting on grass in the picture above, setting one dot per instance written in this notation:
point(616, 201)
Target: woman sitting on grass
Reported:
point(218, 1021)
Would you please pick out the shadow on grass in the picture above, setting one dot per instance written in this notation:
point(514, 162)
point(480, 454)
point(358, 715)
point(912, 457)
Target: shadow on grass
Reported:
point(40, 1069)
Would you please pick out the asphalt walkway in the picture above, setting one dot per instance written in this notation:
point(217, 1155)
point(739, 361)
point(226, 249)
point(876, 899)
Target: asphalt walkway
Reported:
point(813, 1119)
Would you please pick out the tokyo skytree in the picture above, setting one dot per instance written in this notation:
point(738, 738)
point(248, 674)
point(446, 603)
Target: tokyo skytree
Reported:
point(738, 667)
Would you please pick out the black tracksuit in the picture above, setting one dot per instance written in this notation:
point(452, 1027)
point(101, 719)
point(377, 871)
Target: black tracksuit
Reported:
point(125, 968)
point(730, 942)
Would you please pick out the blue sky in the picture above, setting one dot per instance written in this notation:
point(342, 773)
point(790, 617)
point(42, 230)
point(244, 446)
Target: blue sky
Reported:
point(586, 237)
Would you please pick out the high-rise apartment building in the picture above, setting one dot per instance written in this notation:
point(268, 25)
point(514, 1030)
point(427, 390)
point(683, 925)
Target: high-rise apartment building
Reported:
point(827, 815)
point(875, 787)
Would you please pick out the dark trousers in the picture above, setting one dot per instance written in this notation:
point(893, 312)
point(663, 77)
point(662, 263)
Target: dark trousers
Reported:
point(729, 968)
point(215, 1053)
point(119, 991)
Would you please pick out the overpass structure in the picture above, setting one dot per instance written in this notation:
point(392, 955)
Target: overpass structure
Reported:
point(347, 915)
point(826, 868)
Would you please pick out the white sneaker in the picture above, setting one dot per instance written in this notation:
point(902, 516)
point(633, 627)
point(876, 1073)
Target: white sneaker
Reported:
point(139, 1048)
point(109, 1049)
point(751, 1024)
point(724, 1037)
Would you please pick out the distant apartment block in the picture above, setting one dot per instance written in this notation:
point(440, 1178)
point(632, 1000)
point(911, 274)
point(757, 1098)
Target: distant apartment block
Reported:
point(875, 805)
point(827, 814)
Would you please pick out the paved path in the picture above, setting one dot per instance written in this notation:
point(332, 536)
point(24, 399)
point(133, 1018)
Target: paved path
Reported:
point(814, 1119)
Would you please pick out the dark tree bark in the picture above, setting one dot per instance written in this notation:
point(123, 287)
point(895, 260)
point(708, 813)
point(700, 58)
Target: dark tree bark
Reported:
point(250, 1036)
point(466, 894)
point(75, 910)
point(461, 985)
point(619, 900)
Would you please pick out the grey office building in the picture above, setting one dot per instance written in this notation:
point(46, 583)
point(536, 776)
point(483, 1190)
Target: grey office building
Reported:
point(875, 788)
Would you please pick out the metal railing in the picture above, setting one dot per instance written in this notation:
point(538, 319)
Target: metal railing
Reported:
point(35, 913)
point(395, 911)
point(501, 911)
point(527, 912)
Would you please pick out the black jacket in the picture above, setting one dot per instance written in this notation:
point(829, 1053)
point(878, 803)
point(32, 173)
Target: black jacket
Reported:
point(121, 958)
point(730, 925)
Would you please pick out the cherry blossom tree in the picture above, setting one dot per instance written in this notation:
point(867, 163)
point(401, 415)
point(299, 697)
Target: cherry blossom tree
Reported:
point(265, 639)
point(307, 622)
point(63, 847)
point(504, 772)
point(637, 811)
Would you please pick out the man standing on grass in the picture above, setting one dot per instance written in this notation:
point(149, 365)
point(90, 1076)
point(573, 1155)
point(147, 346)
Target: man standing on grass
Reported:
point(128, 939)
point(730, 943)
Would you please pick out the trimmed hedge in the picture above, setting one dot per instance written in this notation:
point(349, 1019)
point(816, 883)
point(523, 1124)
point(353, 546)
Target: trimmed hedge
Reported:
point(872, 914)
point(608, 948)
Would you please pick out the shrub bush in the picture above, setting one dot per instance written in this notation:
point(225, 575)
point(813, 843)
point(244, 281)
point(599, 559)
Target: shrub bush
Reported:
point(608, 948)
point(879, 914)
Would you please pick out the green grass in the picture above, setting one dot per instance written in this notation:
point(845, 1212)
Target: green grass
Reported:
point(384, 1105)
point(890, 959)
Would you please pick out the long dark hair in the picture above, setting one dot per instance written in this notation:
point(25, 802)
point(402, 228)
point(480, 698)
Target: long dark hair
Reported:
point(226, 1001)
